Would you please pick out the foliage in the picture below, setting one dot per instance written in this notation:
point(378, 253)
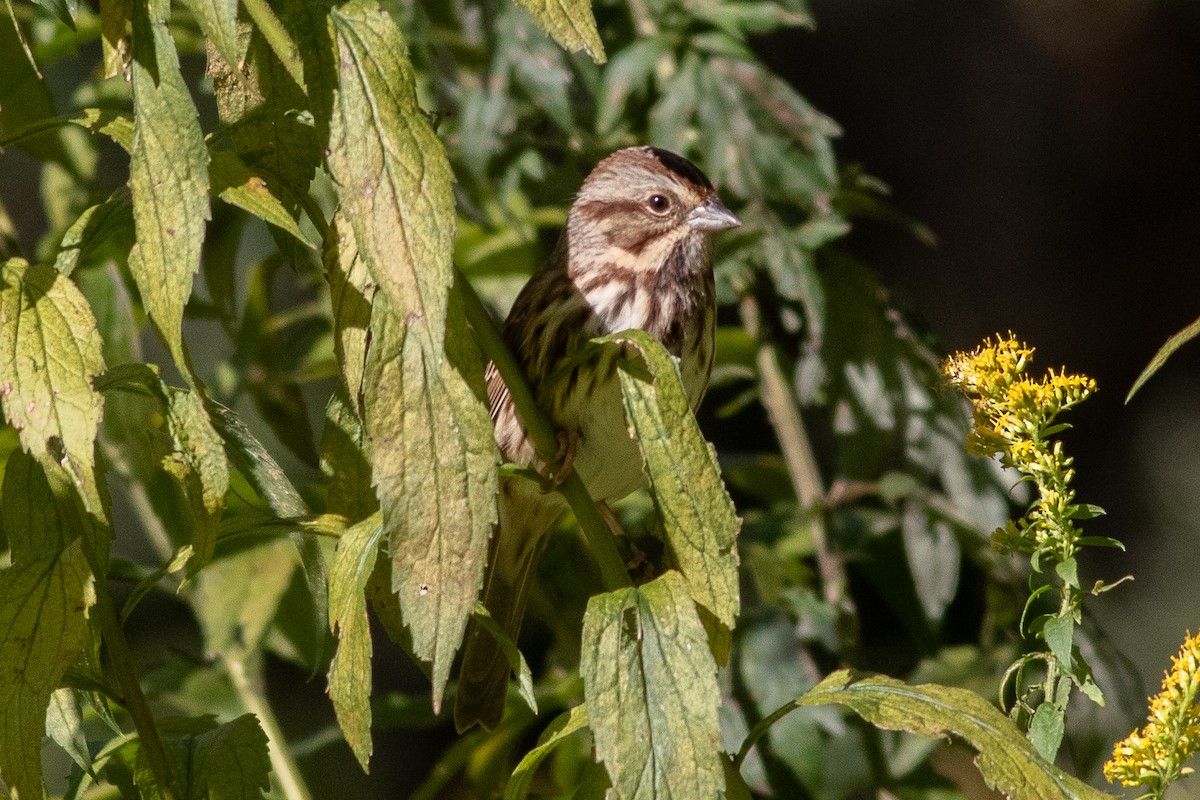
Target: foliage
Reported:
point(347, 181)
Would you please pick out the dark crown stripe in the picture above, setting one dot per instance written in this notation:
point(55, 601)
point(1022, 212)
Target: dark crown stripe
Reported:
point(681, 167)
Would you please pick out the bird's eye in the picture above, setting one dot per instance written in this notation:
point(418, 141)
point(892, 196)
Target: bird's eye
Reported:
point(658, 203)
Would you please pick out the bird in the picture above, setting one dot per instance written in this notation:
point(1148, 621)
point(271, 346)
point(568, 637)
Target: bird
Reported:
point(634, 254)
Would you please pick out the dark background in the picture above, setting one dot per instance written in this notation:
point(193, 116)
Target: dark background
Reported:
point(1053, 148)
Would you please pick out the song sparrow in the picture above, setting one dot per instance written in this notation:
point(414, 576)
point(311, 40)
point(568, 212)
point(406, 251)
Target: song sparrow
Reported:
point(634, 254)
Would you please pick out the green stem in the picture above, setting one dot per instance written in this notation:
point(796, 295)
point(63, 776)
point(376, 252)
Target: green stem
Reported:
point(283, 766)
point(127, 679)
point(759, 730)
point(544, 437)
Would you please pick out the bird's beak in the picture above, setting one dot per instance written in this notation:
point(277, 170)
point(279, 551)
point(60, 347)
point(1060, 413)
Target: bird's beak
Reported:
point(712, 216)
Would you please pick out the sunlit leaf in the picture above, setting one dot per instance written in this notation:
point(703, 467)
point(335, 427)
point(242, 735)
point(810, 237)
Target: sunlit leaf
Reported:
point(218, 20)
point(350, 671)
point(1008, 762)
point(43, 626)
point(698, 517)
point(49, 353)
point(168, 176)
point(430, 435)
point(240, 185)
point(651, 691)
point(571, 24)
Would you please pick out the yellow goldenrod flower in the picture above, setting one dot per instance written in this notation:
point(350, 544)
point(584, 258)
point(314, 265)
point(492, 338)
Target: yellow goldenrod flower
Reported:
point(1154, 757)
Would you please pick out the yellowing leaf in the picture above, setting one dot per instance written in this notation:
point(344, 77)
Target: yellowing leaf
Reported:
point(200, 467)
point(168, 176)
point(1007, 761)
point(650, 684)
point(432, 456)
point(246, 187)
point(570, 22)
point(698, 516)
point(43, 627)
point(49, 353)
point(350, 670)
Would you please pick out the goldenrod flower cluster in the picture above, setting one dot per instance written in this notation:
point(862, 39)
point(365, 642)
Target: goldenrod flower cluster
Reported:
point(1014, 416)
point(1154, 756)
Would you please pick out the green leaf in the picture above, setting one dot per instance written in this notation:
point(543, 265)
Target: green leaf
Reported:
point(350, 292)
point(64, 724)
point(246, 187)
point(1164, 352)
point(698, 516)
point(65, 10)
point(1058, 633)
point(516, 661)
point(43, 627)
point(651, 692)
point(49, 354)
point(350, 671)
point(228, 762)
point(238, 595)
point(570, 23)
point(107, 224)
point(168, 177)
point(1008, 762)
point(1046, 730)
point(564, 725)
point(29, 516)
point(200, 467)
point(433, 458)
point(344, 461)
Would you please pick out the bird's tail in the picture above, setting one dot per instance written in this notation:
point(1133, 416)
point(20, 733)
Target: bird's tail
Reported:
point(526, 516)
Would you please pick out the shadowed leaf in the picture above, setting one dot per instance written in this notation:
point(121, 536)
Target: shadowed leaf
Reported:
point(1164, 352)
point(43, 627)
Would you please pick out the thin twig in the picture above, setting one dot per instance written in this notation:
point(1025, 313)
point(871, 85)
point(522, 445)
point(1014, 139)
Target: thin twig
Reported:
point(545, 439)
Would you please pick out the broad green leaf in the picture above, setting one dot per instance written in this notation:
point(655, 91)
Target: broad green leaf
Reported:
point(200, 467)
point(1058, 633)
point(113, 124)
point(434, 467)
point(43, 626)
point(430, 435)
point(49, 353)
point(243, 186)
point(393, 174)
point(698, 516)
point(571, 24)
point(651, 691)
point(350, 670)
point(225, 762)
point(168, 177)
point(564, 725)
point(1046, 730)
point(1174, 343)
point(1008, 762)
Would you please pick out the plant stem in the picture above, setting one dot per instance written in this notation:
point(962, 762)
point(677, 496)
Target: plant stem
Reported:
point(283, 766)
point(761, 728)
point(128, 681)
point(544, 437)
point(797, 450)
